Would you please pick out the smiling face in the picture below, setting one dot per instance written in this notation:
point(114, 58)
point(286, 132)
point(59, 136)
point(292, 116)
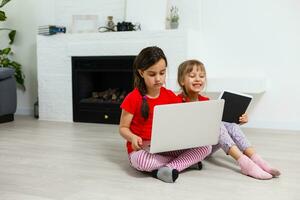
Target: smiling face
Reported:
point(194, 81)
point(154, 77)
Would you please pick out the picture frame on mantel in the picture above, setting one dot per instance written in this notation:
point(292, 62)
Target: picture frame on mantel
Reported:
point(84, 24)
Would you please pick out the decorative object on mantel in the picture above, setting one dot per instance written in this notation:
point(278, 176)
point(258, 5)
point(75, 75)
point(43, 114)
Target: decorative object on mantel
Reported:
point(137, 26)
point(125, 26)
point(51, 30)
point(128, 26)
point(110, 23)
point(84, 23)
point(121, 26)
point(173, 17)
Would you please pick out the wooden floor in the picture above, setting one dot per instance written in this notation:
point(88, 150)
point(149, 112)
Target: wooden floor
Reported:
point(41, 160)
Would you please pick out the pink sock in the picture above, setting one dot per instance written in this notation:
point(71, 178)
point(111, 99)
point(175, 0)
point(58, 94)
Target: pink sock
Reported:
point(249, 168)
point(264, 165)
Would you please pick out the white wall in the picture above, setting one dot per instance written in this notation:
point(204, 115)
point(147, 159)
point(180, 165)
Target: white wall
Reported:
point(258, 38)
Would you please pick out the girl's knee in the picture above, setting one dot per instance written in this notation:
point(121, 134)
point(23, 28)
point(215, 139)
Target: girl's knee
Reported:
point(141, 161)
point(209, 149)
point(136, 160)
point(205, 149)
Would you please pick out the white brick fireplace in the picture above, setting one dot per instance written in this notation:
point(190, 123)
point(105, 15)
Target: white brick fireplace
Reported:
point(54, 55)
point(55, 69)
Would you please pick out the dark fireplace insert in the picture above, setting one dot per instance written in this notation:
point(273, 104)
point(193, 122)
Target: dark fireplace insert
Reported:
point(99, 85)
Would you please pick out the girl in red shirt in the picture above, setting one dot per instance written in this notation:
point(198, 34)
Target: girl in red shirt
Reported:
point(137, 115)
point(192, 79)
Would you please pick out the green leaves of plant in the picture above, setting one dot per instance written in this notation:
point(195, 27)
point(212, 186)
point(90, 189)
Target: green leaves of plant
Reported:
point(5, 51)
point(11, 36)
point(19, 75)
point(2, 13)
point(4, 2)
point(6, 62)
point(2, 16)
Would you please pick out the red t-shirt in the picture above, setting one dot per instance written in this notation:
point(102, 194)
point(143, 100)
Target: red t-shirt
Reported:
point(132, 104)
point(186, 99)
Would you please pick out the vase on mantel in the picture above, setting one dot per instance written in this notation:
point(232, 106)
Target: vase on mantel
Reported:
point(174, 25)
point(173, 17)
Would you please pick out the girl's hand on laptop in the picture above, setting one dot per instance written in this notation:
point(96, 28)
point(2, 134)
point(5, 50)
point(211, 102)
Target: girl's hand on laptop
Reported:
point(243, 119)
point(136, 143)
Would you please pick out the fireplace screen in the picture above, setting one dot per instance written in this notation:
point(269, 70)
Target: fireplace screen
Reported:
point(99, 86)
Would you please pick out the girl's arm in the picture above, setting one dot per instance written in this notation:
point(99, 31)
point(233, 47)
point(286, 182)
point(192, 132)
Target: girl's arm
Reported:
point(243, 119)
point(124, 129)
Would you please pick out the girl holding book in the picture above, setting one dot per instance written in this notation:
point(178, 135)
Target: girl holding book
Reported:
point(192, 79)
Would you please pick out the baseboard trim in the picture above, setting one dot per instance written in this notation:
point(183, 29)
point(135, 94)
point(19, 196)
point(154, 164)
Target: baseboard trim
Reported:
point(290, 126)
point(24, 111)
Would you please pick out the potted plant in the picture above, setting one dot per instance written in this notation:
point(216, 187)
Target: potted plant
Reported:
point(7, 53)
point(173, 17)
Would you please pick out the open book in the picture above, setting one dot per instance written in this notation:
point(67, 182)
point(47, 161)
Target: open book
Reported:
point(235, 106)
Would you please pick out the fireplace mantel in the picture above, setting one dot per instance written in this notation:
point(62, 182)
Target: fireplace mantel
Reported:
point(54, 55)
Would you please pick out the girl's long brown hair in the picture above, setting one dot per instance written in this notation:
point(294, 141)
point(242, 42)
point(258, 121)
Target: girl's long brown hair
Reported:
point(146, 58)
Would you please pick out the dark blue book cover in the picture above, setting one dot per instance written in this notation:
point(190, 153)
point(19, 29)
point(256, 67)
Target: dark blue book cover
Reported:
point(235, 106)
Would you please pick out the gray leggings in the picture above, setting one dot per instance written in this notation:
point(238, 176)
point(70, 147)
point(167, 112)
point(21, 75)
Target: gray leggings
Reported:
point(231, 134)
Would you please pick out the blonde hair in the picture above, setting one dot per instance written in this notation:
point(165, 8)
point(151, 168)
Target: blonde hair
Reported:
point(185, 68)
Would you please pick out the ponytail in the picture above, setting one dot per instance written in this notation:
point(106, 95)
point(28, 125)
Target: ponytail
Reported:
point(145, 108)
point(146, 58)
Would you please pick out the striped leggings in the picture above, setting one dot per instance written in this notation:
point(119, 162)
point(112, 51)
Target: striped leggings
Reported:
point(231, 134)
point(180, 159)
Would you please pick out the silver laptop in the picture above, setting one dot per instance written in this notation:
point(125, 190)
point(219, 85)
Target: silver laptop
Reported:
point(185, 125)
